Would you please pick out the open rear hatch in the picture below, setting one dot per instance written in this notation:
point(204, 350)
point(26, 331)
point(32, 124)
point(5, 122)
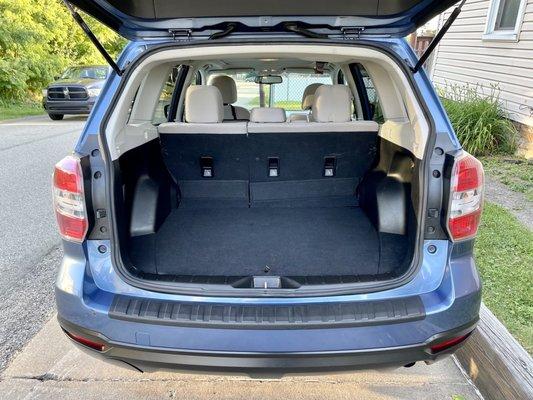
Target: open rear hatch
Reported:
point(140, 19)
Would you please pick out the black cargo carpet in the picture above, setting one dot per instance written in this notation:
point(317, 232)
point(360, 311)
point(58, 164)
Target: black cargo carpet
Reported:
point(266, 241)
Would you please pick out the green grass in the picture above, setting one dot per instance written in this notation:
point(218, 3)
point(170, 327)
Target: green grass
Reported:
point(19, 110)
point(504, 257)
point(516, 173)
point(289, 105)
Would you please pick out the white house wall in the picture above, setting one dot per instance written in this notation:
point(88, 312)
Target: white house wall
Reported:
point(463, 57)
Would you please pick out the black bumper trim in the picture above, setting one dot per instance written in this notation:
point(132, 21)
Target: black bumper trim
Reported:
point(152, 358)
point(313, 315)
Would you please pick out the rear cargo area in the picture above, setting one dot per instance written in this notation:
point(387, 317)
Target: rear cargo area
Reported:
point(292, 241)
point(242, 221)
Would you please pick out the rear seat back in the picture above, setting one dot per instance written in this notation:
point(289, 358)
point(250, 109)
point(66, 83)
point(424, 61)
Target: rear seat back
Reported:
point(204, 145)
point(317, 163)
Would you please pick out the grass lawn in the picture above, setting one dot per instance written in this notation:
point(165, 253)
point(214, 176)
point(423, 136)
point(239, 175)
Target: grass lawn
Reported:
point(504, 257)
point(516, 173)
point(289, 105)
point(19, 110)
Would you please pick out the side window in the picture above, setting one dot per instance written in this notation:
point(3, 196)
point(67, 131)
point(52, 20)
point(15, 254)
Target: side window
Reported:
point(504, 19)
point(341, 80)
point(370, 95)
point(165, 97)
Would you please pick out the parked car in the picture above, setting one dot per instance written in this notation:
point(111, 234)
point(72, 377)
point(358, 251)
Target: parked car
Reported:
point(206, 229)
point(75, 91)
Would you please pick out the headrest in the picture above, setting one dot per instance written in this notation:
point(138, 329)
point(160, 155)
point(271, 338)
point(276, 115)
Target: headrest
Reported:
point(333, 103)
point(267, 114)
point(309, 90)
point(227, 88)
point(308, 102)
point(203, 104)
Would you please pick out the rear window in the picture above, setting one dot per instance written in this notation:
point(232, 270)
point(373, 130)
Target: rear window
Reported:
point(165, 97)
point(287, 94)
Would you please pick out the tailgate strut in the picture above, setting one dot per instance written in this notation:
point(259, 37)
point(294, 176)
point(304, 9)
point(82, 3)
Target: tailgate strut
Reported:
point(77, 17)
point(423, 58)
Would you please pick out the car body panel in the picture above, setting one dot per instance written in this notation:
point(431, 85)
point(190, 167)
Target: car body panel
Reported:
point(136, 19)
point(447, 284)
point(451, 301)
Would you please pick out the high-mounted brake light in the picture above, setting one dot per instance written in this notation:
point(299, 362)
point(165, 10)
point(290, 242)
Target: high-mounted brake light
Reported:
point(466, 197)
point(69, 199)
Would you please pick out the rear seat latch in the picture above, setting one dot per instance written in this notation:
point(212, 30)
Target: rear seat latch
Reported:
point(206, 163)
point(267, 282)
point(329, 166)
point(273, 167)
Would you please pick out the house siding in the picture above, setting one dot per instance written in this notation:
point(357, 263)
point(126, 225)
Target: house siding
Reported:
point(463, 58)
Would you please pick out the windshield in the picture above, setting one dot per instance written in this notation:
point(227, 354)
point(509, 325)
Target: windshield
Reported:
point(287, 94)
point(86, 73)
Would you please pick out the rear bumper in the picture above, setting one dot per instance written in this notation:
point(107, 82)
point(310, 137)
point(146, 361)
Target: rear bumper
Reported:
point(448, 291)
point(69, 107)
point(147, 359)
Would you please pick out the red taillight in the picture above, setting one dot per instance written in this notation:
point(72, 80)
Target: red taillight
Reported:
point(449, 343)
point(466, 197)
point(69, 199)
point(86, 342)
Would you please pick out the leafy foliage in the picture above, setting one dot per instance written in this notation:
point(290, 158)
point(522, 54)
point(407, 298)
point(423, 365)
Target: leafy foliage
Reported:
point(38, 40)
point(480, 122)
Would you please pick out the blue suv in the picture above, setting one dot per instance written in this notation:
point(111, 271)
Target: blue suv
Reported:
point(267, 188)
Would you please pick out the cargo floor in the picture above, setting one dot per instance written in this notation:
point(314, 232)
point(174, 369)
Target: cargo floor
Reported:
point(268, 241)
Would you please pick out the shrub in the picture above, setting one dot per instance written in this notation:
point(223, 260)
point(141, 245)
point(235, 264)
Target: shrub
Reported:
point(481, 124)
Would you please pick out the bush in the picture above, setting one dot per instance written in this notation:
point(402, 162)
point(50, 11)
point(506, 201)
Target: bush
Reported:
point(480, 122)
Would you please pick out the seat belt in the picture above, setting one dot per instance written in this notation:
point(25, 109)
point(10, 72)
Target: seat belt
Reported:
point(233, 112)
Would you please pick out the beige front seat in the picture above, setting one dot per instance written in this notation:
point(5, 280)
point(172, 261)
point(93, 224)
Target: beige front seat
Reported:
point(307, 101)
point(228, 89)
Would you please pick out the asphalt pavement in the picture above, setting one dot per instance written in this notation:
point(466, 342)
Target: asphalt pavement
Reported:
point(29, 242)
point(37, 360)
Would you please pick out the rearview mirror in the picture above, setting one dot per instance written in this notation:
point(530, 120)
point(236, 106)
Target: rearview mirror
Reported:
point(268, 79)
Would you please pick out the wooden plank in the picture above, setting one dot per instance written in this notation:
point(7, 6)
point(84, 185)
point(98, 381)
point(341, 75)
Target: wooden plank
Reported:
point(495, 361)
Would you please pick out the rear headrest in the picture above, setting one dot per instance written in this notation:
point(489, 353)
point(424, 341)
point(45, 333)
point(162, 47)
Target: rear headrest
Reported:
point(309, 90)
point(333, 103)
point(227, 88)
point(267, 114)
point(203, 104)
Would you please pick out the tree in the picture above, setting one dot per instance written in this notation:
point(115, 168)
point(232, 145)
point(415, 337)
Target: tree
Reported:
point(38, 40)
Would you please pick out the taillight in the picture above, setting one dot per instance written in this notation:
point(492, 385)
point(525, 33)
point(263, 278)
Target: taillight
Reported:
point(449, 343)
point(466, 197)
point(85, 341)
point(69, 199)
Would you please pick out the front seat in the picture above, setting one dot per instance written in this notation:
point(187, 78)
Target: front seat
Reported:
point(307, 100)
point(228, 89)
